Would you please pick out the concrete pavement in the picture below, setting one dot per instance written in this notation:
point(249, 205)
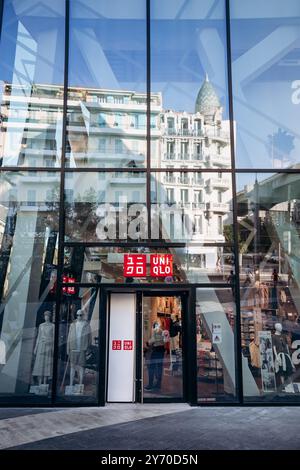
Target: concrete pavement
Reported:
point(152, 426)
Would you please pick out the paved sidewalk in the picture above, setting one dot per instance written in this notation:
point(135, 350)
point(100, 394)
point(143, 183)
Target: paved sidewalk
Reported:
point(154, 426)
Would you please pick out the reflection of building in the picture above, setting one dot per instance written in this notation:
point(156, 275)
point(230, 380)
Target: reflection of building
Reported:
point(196, 141)
point(107, 129)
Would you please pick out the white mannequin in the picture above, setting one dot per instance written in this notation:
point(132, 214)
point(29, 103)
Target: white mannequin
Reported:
point(80, 369)
point(43, 379)
point(278, 328)
point(79, 340)
point(44, 350)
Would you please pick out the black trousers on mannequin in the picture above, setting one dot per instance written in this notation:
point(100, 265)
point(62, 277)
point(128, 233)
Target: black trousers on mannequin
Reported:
point(156, 366)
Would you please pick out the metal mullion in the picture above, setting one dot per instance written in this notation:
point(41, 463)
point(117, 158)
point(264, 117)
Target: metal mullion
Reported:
point(160, 286)
point(1, 16)
point(148, 135)
point(159, 244)
point(102, 355)
point(238, 343)
point(191, 342)
point(191, 170)
point(61, 230)
point(265, 170)
point(105, 170)
point(29, 168)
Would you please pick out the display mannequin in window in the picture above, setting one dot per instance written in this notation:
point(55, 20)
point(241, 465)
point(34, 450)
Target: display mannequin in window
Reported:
point(282, 359)
point(78, 342)
point(44, 350)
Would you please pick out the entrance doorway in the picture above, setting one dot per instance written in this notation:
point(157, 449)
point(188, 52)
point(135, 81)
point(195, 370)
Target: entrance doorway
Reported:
point(145, 347)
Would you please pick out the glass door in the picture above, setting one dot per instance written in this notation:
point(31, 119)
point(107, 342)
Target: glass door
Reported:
point(162, 359)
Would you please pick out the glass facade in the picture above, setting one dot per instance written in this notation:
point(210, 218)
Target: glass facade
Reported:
point(164, 134)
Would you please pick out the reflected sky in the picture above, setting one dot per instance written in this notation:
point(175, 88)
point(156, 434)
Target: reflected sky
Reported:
point(188, 40)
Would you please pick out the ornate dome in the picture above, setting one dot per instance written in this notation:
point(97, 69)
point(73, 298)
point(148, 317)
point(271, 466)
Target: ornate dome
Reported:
point(207, 101)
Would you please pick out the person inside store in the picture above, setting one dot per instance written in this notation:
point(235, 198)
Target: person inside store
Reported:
point(231, 280)
point(155, 353)
point(249, 275)
point(275, 277)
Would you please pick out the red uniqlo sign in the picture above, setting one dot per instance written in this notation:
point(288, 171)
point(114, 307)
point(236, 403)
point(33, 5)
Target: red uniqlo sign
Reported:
point(135, 266)
point(116, 345)
point(161, 265)
point(128, 345)
point(69, 289)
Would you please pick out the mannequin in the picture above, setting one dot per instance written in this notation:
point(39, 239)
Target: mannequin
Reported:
point(43, 350)
point(283, 362)
point(79, 340)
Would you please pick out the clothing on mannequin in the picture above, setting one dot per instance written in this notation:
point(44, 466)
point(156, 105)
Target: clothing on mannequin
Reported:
point(254, 354)
point(2, 352)
point(79, 340)
point(43, 350)
point(283, 363)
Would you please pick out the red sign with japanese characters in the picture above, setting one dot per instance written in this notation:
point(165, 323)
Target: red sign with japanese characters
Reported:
point(161, 265)
point(116, 345)
point(135, 265)
point(128, 345)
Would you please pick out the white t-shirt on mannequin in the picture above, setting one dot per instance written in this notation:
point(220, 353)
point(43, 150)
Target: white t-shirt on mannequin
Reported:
point(79, 327)
point(2, 352)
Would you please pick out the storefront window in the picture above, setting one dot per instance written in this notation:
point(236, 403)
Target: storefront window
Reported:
point(31, 75)
point(162, 347)
point(269, 285)
point(186, 207)
point(107, 101)
point(106, 206)
point(78, 345)
point(28, 275)
point(264, 44)
point(189, 84)
point(108, 265)
point(215, 330)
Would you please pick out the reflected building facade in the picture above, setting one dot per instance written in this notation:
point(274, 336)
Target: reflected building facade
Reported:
point(149, 203)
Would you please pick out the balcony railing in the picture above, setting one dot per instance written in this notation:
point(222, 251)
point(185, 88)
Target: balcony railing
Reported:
point(199, 205)
point(169, 179)
point(171, 131)
point(198, 181)
point(217, 160)
point(218, 207)
point(184, 180)
point(185, 132)
point(185, 205)
point(217, 134)
point(222, 183)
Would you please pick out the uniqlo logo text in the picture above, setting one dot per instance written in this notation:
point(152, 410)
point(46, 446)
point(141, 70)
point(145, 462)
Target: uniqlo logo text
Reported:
point(161, 265)
point(135, 266)
point(128, 345)
point(116, 345)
